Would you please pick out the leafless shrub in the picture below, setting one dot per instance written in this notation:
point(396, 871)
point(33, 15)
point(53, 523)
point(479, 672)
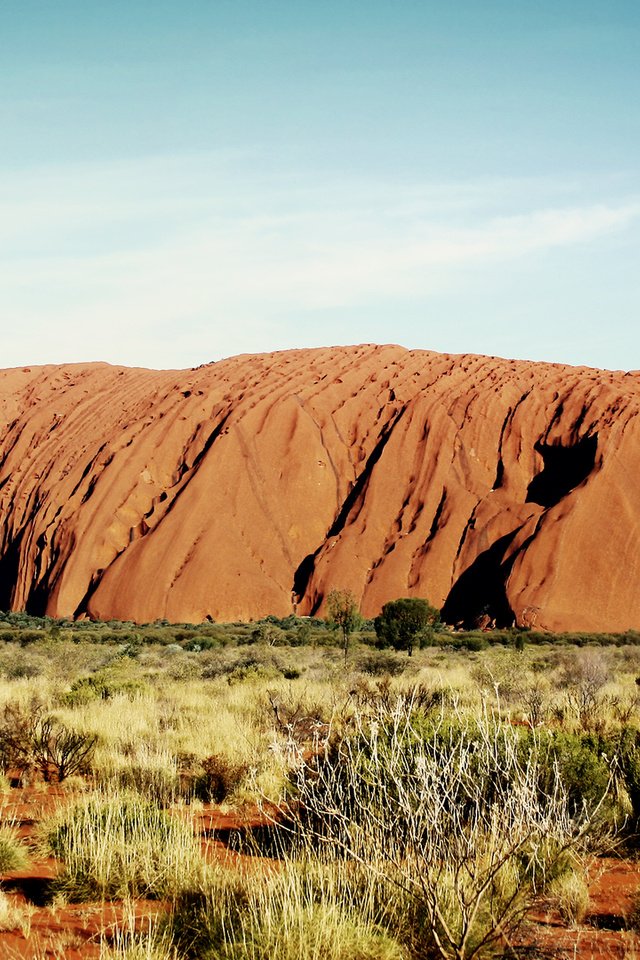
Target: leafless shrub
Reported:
point(33, 740)
point(625, 708)
point(456, 821)
point(535, 701)
point(301, 725)
point(583, 679)
point(500, 678)
point(60, 750)
point(382, 696)
point(220, 776)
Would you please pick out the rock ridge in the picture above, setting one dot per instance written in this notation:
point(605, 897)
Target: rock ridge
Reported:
point(501, 490)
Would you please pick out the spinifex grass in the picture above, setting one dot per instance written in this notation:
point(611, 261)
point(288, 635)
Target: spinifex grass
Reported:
point(118, 845)
point(301, 911)
point(136, 939)
point(13, 855)
point(15, 916)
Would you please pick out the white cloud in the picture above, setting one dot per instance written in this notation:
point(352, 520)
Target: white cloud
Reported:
point(162, 262)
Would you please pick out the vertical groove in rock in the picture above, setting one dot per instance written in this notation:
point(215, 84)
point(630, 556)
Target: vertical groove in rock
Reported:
point(257, 484)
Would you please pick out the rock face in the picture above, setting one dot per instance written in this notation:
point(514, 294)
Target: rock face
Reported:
point(257, 484)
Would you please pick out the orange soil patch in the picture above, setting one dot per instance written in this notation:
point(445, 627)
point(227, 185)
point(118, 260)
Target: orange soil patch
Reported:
point(75, 931)
point(604, 932)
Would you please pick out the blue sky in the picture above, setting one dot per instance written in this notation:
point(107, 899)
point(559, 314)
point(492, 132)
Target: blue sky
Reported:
point(181, 182)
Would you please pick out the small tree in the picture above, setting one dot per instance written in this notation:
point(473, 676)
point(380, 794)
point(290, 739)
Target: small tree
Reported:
point(404, 621)
point(342, 612)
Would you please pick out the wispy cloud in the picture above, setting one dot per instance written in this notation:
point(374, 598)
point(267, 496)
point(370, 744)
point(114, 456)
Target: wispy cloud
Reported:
point(119, 262)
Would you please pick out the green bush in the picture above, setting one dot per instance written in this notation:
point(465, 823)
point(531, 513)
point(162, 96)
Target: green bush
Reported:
point(301, 912)
point(199, 644)
point(101, 686)
point(456, 810)
point(625, 747)
point(377, 663)
point(406, 623)
point(583, 762)
point(157, 781)
point(253, 672)
point(21, 665)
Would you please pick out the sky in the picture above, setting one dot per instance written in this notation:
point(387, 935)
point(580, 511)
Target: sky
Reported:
point(186, 181)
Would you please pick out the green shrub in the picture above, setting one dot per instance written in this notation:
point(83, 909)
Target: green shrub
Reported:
point(377, 663)
point(458, 811)
point(199, 644)
point(300, 636)
point(406, 623)
point(101, 686)
point(299, 913)
point(253, 673)
point(472, 643)
point(22, 666)
point(581, 761)
point(625, 747)
point(157, 781)
point(28, 637)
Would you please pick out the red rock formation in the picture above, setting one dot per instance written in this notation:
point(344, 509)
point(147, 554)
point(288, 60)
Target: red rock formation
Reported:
point(257, 484)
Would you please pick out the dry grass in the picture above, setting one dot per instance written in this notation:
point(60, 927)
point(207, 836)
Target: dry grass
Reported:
point(14, 916)
point(178, 708)
point(117, 844)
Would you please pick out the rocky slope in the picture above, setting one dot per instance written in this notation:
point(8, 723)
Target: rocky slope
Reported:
point(257, 484)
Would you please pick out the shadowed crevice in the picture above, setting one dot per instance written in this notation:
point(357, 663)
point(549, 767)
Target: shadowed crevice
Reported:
point(35, 890)
point(305, 570)
point(359, 486)
point(565, 467)
point(481, 590)
point(435, 523)
point(9, 572)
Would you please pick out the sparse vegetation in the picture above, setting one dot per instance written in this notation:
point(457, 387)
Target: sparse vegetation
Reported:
point(343, 612)
point(13, 854)
point(422, 804)
point(569, 893)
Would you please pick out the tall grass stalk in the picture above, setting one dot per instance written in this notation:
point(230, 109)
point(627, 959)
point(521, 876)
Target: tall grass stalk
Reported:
point(135, 940)
point(13, 853)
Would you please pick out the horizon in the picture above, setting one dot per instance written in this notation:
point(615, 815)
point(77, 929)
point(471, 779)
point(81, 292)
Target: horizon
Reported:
point(240, 178)
point(321, 347)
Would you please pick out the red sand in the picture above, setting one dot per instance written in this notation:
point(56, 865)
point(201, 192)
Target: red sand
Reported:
point(73, 931)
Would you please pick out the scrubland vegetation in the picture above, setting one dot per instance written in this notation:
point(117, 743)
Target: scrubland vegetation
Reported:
point(408, 807)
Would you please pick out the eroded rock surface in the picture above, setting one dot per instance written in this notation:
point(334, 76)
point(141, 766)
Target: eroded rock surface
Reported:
point(257, 484)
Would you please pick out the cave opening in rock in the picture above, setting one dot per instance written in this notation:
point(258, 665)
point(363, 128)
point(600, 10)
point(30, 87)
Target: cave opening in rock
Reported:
point(565, 467)
point(479, 597)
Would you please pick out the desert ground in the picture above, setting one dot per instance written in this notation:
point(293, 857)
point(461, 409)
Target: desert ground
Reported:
point(244, 791)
